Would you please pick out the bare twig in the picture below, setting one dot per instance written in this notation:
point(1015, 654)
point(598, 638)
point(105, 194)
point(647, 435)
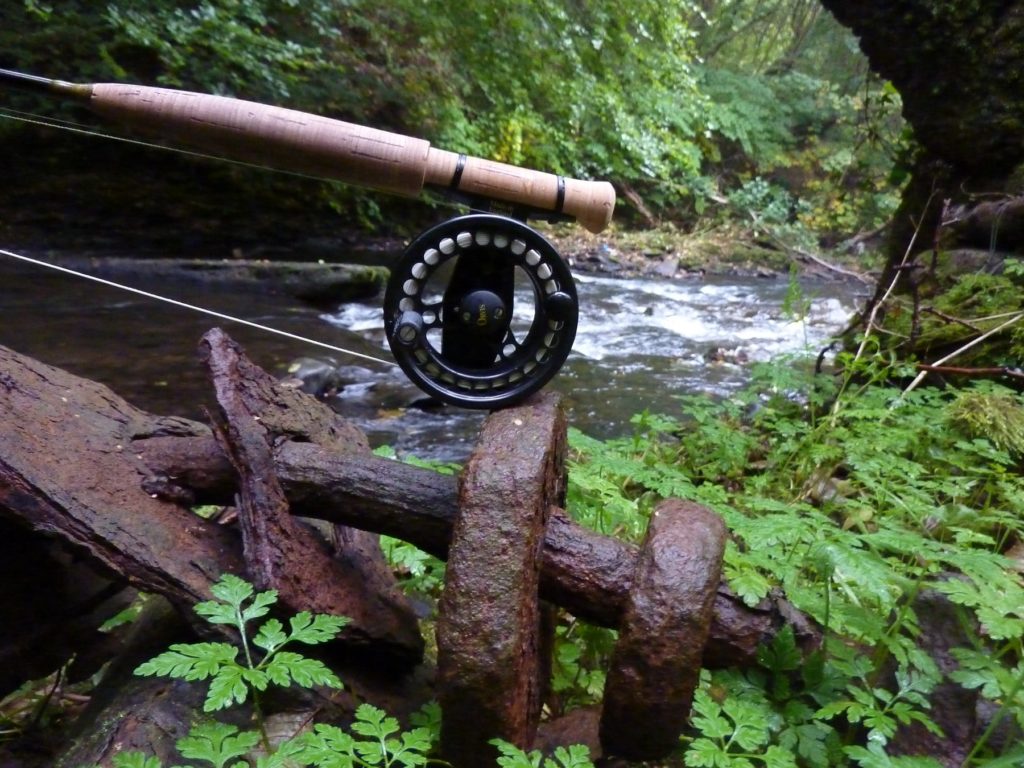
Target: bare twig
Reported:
point(1015, 373)
point(832, 267)
point(870, 324)
point(852, 242)
point(951, 318)
point(808, 255)
point(920, 377)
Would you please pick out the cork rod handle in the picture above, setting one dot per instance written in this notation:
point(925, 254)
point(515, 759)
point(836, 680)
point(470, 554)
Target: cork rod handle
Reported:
point(300, 142)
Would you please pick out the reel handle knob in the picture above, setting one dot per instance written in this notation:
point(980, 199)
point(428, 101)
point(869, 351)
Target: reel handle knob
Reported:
point(560, 306)
point(409, 328)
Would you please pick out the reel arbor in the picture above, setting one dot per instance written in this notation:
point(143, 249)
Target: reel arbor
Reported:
point(481, 311)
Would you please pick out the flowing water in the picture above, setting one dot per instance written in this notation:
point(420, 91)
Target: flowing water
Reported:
point(641, 343)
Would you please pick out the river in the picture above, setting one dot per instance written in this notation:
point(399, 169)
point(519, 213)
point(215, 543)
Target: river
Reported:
point(641, 343)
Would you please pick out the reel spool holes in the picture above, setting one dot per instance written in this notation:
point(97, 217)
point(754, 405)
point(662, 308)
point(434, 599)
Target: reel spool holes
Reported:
point(452, 319)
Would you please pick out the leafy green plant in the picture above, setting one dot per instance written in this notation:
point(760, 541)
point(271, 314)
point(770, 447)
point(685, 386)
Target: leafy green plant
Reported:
point(851, 501)
point(576, 756)
point(231, 681)
point(383, 743)
point(378, 743)
point(420, 574)
point(376, 739)
point(580, 657)
point(217, 743)
point(223, 45)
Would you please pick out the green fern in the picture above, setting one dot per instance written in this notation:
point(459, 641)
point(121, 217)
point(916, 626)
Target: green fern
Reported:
point(850, 508)
point(382, 743)
point(576, 756)
point(231, 681)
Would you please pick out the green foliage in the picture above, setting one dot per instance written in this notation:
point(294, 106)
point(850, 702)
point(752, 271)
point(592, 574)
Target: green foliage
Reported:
point(956, 303)
point(772, 211)
point(576, 756)
point(135, 760)
point(996, 415)
point(375, 738)
point(381, 744)
point(735, 733)
point(420, 574)
point(852, 502)
point(378, 742)
point(230, 681)
point(222, 46)
point(581, 655)
point(217, 743)
point(684, 104)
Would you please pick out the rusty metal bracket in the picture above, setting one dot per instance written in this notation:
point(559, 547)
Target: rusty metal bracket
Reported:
point(657, 659)
point(490, 665)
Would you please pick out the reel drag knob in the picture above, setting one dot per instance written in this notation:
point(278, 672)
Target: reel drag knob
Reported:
point(457, 311)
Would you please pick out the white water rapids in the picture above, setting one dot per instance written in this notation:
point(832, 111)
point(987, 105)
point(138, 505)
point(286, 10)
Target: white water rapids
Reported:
point(640, 344)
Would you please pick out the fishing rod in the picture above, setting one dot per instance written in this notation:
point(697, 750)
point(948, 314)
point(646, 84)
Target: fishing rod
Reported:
point(450, 300)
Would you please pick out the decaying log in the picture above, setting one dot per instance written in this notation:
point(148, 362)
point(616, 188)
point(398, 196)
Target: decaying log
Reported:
point(280, 552)
point(996, 225)
point(67, 469)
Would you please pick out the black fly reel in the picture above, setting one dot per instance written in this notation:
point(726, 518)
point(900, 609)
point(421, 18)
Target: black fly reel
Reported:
point(452, 318)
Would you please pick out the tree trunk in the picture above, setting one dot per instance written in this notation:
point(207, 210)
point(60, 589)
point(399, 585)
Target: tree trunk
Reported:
point(958, 66)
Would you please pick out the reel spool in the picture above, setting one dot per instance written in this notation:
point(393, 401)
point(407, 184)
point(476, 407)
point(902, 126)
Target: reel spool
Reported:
point(449, 311)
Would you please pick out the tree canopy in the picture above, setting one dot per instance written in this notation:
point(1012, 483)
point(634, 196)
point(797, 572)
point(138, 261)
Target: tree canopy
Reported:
point(696, 110)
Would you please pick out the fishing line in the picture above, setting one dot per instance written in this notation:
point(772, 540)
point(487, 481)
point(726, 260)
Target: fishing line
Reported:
point(194, 308)
point(79, 128)
point(55, 122)
point(63, 125)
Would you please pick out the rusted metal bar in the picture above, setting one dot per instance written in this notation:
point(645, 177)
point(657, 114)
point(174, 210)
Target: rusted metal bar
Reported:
point(489, 627)
point(70, 432)
point(280, 552)
point(588, 574)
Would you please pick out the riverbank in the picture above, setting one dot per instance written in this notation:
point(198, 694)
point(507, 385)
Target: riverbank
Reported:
point(663, 253)
point(105, 199)
point(666, 252)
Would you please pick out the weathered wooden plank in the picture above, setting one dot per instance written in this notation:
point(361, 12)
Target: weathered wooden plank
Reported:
point(280, 552)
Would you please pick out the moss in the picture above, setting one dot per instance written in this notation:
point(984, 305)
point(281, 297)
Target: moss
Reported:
point(979, 295)
point(970, 305)
point(997, 416)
